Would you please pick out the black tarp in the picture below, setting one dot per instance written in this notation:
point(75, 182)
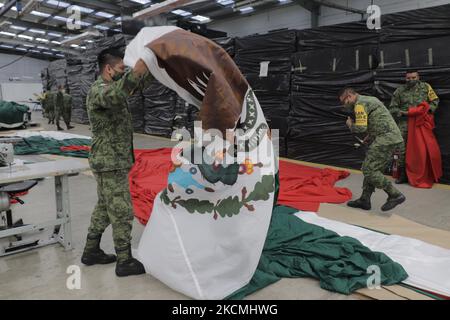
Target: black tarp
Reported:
point(226, 43)
point(416, 24)
point(280, 42)
point(57, 75)
point(341, 35)
point(353, 58)
point(159, 109)
point(136, 107)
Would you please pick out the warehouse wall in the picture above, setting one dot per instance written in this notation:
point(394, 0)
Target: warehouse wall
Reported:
point(295, 17)
point(28, 69)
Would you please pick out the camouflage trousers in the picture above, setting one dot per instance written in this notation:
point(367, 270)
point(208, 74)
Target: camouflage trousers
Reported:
point(113, 207)
point(49, 113)
point(65, 113)
point(403, 126)
point(377, 159)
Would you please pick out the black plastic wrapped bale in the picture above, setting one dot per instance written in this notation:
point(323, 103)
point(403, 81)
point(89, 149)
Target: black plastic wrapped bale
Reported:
point(136, 107)
point(272, 93)
point(318, 133)
point(273, 83)
point(253, 64)
point(342, 35)
point(416, 24)
point(353, 59)
point(57, 73)
point(327, 85)
point(159, 109)
point(226, 43)
point(415, 53)
point(45, 79)
point(274, 43)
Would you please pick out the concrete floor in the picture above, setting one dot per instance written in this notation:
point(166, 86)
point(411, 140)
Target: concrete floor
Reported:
point(42, 273)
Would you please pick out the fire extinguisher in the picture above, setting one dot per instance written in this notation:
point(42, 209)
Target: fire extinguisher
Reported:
point(395, 167)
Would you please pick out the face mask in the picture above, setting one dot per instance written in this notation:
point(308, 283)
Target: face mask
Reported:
point(117, 76)
point(411, 83)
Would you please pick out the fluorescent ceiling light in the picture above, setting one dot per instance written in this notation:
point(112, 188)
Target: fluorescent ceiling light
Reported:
point(83, 47)
point(246, 9)
point(54, 34)
point(201, 18)
point(7, 33)
point(56, 42)
point(55, 50)
point(60, 55)
point(6, 46)
point(89, 41)
point(35, 51)
point(142, 1)
point(40, 14)
point(23, 36)
point(42, 47)
point(104, 14)
point(42, 40)
point(60, 18)
point(284, 1)
point(18, 28)
point(58, 3)
point(84, 23)
point(101, 27)
point(21, 49)
point(119, 19)
point(29, 45)
point(37, 31)
point(182, 13)
point(225, 2)
point(74, 45)
point(49, 53)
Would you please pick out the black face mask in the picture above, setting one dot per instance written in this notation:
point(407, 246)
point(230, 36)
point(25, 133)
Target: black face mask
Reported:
point(411, 83)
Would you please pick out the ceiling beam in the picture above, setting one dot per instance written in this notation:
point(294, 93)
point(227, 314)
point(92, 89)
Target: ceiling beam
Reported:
point(96, 4)
point(7, 7)
point(34, 25)
point(333, 5)
point(18, 42)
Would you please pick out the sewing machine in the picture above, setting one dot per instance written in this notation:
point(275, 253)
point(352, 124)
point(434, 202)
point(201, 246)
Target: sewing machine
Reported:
point(16, 179)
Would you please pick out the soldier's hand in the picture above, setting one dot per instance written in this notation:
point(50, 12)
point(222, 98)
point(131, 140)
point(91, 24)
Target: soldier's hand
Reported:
point(349, 122)
point(140, 69)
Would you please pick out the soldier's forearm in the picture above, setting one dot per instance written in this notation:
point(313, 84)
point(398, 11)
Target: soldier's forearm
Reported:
point(434, 105)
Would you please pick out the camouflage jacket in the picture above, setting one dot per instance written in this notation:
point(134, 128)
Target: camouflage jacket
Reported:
point(67, 102)
point(374, 119)
point(405, 97)
point(110, 120)
point(51, 99)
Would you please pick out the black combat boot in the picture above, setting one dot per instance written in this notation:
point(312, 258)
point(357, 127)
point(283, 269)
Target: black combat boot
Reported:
point(93, 254)
point(360, 203)
point(395, 198)
point(403, 178)
point(60, 129)
point(69, 126)
point(126, 264)
point(364, 201)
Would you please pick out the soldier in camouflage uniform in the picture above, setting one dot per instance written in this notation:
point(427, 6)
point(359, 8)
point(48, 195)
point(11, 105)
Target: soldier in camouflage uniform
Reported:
point(373, 119)
point(409, 95)
point(63, 107)
point(50, 106)
point(111, 158)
